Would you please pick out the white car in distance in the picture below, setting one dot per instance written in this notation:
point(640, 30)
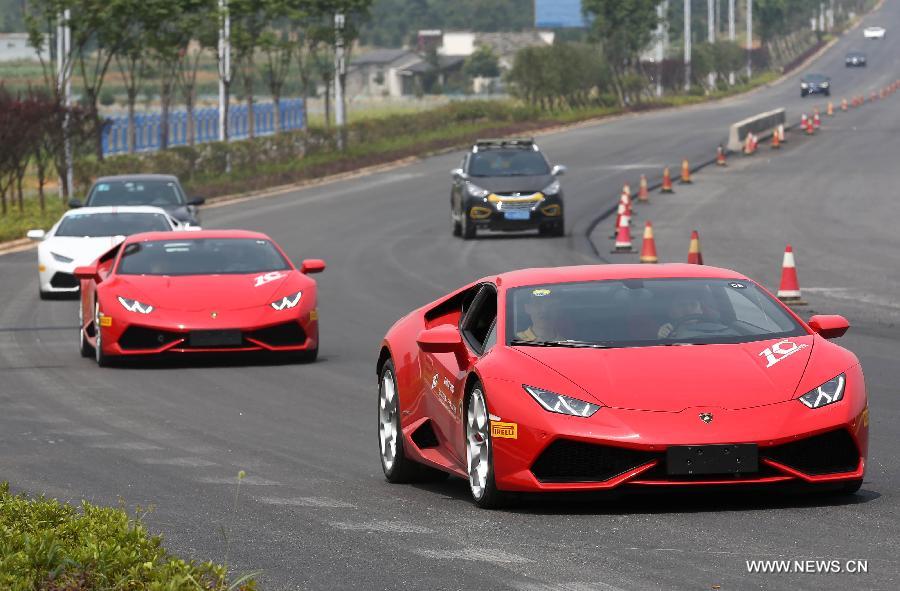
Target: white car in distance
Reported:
point(874, 32)
point(81, 235)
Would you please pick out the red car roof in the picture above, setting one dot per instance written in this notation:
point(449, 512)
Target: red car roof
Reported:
point(600, 272)
point(188, 235)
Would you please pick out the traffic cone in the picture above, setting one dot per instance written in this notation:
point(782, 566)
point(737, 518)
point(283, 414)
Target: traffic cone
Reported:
point(755, 142)
point(623, 238)
point(874, 97)
point(748, 144)
point(620, 212)
point(816, 121)
point(695, 257)
point(648, 248)
point(626, 190)
point(789, 290)
point(830, 110)
point(720, 157)
point(685, 172)
point(643, 193)
point(803, 121)
point(776, 140)
point(782, 138)
point(666, 182)
point(843, 104)
point(810, 128)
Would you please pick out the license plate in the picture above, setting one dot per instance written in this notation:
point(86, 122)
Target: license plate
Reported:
point(215, 338)
point(691, 460)
point(517, 215)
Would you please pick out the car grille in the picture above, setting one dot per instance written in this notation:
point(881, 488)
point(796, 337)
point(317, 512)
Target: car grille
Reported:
point(139, 337)
point(280, 335)
point(574, 461)
point(64, 281)
point(829, 453)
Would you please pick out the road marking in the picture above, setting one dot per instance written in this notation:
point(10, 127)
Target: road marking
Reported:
point(474, 554)
point(315, 502)
point(127, 446)
point(386, 527)
point(83, 432)
point(180, 462)
point(572, 586)
point(248, 480)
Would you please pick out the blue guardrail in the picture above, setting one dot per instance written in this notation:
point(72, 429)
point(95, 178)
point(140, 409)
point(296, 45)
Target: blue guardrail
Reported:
point(147, 126)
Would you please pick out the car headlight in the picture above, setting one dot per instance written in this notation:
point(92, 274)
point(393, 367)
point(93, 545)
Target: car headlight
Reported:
point(135, 306)
point(825, 85)
point(60, 258)
point(804, 85)
point(288, 301)
point(552, 188)
point(828, 393)
point(564, 405)
point(476, 191)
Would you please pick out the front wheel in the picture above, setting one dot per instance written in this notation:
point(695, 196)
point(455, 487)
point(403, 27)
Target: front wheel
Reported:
point(100, 357)
point(455, 225)
point(468, 228)
point(480, 452)
point(83, 344)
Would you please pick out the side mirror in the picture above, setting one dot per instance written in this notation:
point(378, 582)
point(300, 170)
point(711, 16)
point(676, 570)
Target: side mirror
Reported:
point(36, 235)
point(457, 174)
point(558, 170)
point(830, 326)
point(444, 338)
point(197, 201)
point(74, 203)
point(312, 266)
point(86, 272)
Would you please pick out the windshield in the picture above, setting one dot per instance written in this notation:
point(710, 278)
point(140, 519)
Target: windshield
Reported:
point(202, 256)
point(508, 163)
point(645, 312)
point(815, 78)
point(160, 193)
point(92, 225)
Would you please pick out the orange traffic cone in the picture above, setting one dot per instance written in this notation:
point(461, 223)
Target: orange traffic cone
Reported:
point(816, 121)
point(789, 290)
point(810, 128)
point(623, 238)
point(776, 140)
point(620, 212)
point(695, 257)
point(685, 172)
point(643, 193)
point(843, 104)
point(748, 144)
point(782, 138)
point(666, 182)
point(626, 191)
point(830, 110)
point(648, 248)
point(720, 157)
point(803, 121)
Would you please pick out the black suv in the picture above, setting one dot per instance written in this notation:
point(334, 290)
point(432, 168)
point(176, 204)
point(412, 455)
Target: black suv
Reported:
point(506, 185)
point(160, 190)
point(815, 84)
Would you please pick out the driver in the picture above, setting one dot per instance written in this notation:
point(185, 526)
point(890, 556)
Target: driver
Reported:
point(684, 308)
point(545, 313)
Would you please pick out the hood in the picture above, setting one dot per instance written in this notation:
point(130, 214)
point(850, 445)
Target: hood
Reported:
point(83, 250)
point(672, 379)
point(514, 184)
point(182, 213)
point(204, 292)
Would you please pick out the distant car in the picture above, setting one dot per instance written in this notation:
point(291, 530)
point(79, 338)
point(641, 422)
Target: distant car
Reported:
point(874, 32)
point(158, 190)
point(197, 292)
point(815, 84)
point(855, 59)
point(81, 235)
point(619, 377)
point(506, 185)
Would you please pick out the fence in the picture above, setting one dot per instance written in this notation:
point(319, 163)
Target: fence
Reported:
point(148, 126)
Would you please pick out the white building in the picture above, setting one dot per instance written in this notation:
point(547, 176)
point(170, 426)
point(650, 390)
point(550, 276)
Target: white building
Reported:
point(14, 46)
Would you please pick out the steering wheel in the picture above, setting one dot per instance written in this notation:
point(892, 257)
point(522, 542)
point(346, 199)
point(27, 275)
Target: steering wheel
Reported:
point(677, 324)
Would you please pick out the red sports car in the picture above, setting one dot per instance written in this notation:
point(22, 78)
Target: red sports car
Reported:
point(203, 291)
point(619, 377)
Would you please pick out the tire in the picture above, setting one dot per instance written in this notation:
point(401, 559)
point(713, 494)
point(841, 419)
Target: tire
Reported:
point(553, 229)
point(44, 295)
point(83, 345)
point(308, 356)
point(849, 488)
point(480, 452)
point(827, 93)
point(455, 225)
point(467, 230)
point(100, 357)
point(396, 466)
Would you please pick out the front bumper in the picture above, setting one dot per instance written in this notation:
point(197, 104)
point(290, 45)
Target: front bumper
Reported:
point(55, 277)
point(508, 216)
point(626, 449)
point(816, 90)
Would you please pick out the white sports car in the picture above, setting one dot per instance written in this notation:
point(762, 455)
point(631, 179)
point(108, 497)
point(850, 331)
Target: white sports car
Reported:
point(81, 235)
point(874, 32)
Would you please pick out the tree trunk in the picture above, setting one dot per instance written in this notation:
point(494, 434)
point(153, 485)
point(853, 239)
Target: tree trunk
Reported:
point(132, 132)
point(98, 126)
point(189, 106)
point(248, 89)
point(276, 105)
point(327, 105)
point(20, 174)
point(166, 100)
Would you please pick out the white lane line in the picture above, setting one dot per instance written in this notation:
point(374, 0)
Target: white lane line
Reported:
point(315, 502)
point(473, 554)
point(386, 527)
point(127, 446)
point(179, 462)
point(233, 480)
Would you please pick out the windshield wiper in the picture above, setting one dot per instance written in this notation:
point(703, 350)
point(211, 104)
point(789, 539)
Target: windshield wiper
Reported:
point(560, 343)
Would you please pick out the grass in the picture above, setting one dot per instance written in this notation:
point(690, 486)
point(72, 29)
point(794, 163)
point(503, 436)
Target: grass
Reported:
point(15, 223)
point(53, 546)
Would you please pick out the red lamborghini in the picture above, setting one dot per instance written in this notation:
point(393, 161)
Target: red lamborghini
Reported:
point(204, 291)
point(619, 377)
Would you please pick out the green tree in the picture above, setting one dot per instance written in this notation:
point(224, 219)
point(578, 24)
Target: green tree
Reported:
point(482, 63)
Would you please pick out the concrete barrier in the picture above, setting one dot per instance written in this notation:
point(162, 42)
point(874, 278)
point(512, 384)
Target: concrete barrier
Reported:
point(761, 125)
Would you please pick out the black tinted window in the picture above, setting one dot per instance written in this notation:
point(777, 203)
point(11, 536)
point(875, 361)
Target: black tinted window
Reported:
point(508, 163)
point(146, 192)
point(112, 224)
point(203, 256)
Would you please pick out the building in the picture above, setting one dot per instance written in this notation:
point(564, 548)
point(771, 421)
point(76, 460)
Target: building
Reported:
point(14, 46)
point(379, 72)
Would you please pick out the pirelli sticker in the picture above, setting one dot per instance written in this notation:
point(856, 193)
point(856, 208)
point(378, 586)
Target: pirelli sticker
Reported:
point(502, 430)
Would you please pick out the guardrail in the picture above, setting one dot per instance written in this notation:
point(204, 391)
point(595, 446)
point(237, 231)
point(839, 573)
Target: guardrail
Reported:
point(761, 124)
point(148, 126)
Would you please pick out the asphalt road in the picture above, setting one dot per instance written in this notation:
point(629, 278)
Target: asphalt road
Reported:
point(314, 511)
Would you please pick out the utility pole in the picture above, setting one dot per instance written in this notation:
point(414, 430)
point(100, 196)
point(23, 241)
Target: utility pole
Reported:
point(687, 45)
point(711, 34)
point(661, 37)
point(731, 35)
point(339, 116)
point(749, 39)
point(64, 91)
point(224, 59)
